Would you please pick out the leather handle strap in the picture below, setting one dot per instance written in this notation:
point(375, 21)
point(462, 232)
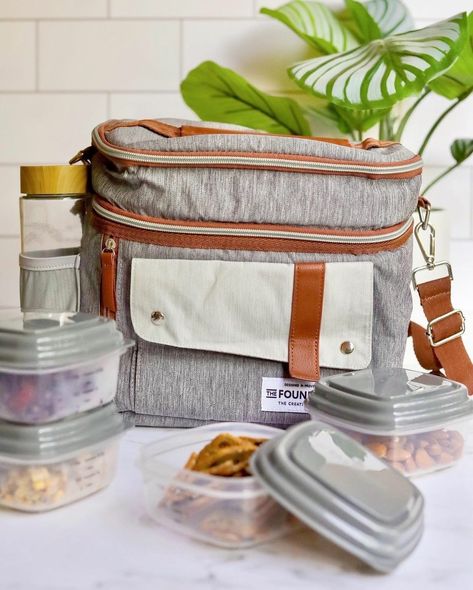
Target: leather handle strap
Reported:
point(306, 318)
point(445, 348)
point(158, 127)
point(168, 130)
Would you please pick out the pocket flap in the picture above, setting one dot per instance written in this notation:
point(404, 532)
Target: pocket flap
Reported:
point(244, 308)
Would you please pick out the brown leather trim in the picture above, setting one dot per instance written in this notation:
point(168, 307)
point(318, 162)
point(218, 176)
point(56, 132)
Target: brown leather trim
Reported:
point(366, 144)
point(423, 351)
point(171, 131)
point(423, 203)
point(435, 298)
point(344, 233)
point(108, 304)
point(155, 126)
point(261, 155)
point(190, 130)
point(241, 243)
point(306, 318)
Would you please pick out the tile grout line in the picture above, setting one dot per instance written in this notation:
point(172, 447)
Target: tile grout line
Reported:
point(144, 19)
point(276, 91)
point(91, 92)
point(36, 57)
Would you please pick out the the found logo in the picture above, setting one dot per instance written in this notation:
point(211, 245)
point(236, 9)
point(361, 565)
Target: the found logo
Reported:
point(284, 395)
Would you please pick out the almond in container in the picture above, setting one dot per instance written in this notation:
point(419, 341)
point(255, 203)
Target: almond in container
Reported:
point(415, 422)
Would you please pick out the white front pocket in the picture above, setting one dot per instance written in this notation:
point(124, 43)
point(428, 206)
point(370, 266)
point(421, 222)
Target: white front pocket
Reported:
point(244, 308)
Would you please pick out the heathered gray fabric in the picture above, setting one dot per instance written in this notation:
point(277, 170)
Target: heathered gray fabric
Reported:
point(166, 386)
point(242, 195)
point(176, 387)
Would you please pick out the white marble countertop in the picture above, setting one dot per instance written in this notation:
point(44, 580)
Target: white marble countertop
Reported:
point(107, 542)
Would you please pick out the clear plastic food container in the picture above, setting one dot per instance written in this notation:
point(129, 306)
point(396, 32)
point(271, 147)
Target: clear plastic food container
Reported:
point(54, 365)
point(414, 421)
point(227, 512)
point(312, 472)
point(45, 467)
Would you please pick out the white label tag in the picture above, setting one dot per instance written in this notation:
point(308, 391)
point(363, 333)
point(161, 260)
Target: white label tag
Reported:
point(284, 395)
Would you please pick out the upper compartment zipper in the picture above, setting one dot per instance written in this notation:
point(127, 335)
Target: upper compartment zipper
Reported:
point(256, 160)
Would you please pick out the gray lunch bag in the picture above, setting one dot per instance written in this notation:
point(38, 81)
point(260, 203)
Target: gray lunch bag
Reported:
point(245, 265)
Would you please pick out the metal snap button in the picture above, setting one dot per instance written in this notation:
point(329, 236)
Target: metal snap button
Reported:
point(157, 317)
point(347, 347)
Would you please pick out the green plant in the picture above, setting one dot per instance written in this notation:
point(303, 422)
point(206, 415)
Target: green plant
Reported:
point(367, 59)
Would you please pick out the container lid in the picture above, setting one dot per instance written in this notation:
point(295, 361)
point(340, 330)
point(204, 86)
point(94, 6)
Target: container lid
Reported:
point(53, 180)
point(56, 439)
point(342, 491)
point(390, 401)
point(43, 340)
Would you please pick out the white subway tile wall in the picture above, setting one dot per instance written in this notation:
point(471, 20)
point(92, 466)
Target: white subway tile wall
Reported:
point(17, 56)
point(67, 64)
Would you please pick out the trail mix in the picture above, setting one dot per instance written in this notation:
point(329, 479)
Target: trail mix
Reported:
point(416, 452)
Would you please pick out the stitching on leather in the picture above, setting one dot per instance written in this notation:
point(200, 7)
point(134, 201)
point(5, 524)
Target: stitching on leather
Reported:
point(321, 276)
point(295, 297)
point(436, 296)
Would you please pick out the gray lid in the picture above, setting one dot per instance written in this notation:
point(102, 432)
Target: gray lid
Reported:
point(50, 441)
point(389, 401)
point(45, 340)
point(342, 491)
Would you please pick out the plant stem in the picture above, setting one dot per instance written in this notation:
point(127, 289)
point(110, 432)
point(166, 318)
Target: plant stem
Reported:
point(406, 117)
point(437, 123)
point(384, 127)
point(440, 176)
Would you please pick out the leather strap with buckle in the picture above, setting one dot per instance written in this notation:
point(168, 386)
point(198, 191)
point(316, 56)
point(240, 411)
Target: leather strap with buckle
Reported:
point(440, 346)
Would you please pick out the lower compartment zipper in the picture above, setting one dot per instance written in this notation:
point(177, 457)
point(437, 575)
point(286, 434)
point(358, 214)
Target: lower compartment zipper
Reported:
point(115, 224)
point(153, 230)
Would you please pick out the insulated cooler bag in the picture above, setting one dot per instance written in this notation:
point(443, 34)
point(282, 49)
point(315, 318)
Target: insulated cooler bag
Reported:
point(247, 265)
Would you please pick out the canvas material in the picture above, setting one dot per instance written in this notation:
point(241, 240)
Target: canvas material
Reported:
point(171, 386)
point(242, 195)
point(244, 308)
point(167, 386)
point(49, 280)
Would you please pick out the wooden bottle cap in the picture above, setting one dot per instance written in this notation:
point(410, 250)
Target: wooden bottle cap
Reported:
point(53, 180)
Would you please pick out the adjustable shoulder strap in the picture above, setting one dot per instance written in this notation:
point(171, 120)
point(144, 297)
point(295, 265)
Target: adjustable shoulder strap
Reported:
point(441, 345)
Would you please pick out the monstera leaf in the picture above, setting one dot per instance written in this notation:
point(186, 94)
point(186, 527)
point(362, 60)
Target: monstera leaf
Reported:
point(461, 149)
point(458, 80)
point(219, 94)
point(380, 73)
point(316, 24)
point(380, 18)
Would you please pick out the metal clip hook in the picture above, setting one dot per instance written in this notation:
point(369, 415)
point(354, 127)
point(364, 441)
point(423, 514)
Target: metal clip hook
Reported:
point(430, 256)
point(424, 219)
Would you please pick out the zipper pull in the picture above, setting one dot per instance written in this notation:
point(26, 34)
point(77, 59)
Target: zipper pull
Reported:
point(84, 156)
point(108, 258)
